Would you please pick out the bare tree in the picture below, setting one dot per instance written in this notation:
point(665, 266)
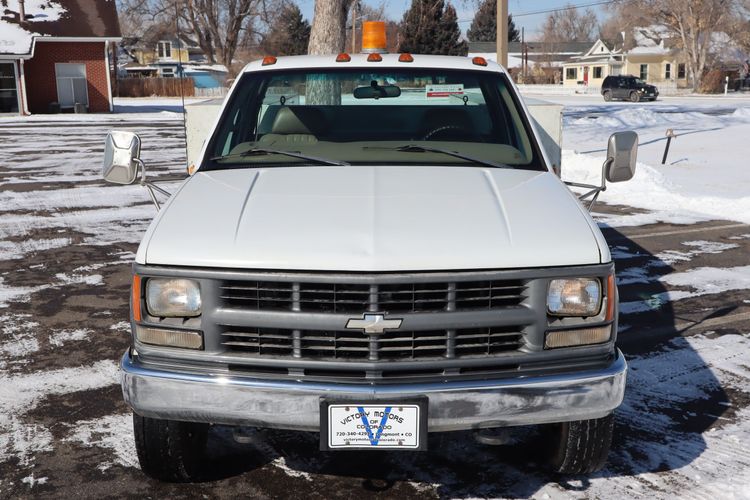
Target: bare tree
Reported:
point(219, 27)
point(693, 23)
point(135, 17)
point(569, 25)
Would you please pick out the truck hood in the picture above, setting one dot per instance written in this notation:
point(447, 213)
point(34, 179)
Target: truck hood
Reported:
point(373, 219)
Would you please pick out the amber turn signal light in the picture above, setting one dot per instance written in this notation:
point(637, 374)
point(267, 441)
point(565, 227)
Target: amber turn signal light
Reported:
point(268, 60)
point(136, 298)
point(610, 297)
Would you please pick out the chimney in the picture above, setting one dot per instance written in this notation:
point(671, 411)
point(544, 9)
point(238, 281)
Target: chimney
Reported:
point(21, 13)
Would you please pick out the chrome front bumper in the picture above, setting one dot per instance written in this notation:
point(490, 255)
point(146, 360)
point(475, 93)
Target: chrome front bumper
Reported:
point(296, 405)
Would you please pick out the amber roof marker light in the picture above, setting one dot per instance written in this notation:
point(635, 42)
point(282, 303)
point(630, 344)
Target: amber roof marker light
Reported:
point(479, 61)
point(343, 57)
point(405, 57)
point(373, 37)
point(268, 60)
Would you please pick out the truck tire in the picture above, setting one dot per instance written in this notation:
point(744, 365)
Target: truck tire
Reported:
point(169, 450)
point(582, 446)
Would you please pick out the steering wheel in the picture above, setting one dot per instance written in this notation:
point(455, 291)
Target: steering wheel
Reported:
point(444, 128)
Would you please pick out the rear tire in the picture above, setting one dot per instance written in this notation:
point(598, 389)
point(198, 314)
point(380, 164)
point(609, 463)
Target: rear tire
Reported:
point(169, 450)
point(582, 446)
point(607, 95)
point(634, 97)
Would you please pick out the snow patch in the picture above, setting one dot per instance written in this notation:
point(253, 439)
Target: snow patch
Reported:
point(17, 336)
point(700, 281)
point(16, 250)
point(32, 481)
point(59, 338)
point(21, 393)
point(93, 279)
point(112, 432)
point(8, 293)
point(122, 326)
point(700, 247)
point(711, 280)
point(280, 463)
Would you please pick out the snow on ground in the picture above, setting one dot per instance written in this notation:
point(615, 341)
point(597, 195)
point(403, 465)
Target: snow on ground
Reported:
point(705, 176)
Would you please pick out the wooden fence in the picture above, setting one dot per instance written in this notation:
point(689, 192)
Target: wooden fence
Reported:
point(163, 87)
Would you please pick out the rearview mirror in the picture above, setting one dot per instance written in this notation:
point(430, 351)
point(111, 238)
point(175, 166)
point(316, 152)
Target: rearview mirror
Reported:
point(122, 152)
point(375, 91)
point(622, 153)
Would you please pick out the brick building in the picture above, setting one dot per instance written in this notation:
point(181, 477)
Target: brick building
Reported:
point(55, 55)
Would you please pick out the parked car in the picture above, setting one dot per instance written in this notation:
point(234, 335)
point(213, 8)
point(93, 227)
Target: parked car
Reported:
point(372, 248)
point(628, 87)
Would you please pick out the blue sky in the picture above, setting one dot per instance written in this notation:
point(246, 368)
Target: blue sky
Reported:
point(465, 9)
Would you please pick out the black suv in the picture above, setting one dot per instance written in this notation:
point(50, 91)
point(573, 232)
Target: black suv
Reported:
point(628, 87)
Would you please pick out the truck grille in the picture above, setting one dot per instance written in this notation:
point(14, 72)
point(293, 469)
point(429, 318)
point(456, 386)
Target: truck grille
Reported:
point(394, 345)
point(384, 298)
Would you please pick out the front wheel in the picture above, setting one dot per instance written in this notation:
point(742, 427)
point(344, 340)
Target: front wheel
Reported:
point(634, 97)
point(582, 446)
point(169, 450)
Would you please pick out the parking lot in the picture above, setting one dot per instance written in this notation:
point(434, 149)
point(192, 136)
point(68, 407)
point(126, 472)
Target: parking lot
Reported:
point(67, 242)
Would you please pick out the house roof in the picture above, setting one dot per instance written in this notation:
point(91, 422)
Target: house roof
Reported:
point(534, 47)
point(55, 18)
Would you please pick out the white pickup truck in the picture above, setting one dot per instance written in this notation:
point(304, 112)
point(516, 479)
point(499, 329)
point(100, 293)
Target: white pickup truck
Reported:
point(372, 247)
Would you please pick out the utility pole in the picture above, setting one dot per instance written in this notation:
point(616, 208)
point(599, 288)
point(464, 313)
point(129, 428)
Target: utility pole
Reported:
point(523, 53)
point(502, 32)
point(354, 27)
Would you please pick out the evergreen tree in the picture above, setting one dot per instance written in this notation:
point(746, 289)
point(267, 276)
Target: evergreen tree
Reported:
point(431, 27)
point(289, 33)
point(484, 26)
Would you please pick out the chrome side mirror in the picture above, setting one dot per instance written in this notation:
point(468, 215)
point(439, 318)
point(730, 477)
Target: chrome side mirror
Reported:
point(622, 154)
point(122, 152)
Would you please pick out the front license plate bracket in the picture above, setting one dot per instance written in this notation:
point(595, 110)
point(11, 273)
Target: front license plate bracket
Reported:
point(387, 424)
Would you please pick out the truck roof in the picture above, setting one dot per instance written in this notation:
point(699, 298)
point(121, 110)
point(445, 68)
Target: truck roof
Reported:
point(388, 60)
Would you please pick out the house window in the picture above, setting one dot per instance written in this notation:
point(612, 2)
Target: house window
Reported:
point(164, 50)
point(597, 71)
point(8, 91)
point(667, 71)
point(167, 72)
point(71, 84)
point(681, 70)
point(644, 72)
point(571, 73)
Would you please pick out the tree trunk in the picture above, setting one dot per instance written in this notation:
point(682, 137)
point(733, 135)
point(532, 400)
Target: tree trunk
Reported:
point(327, 36)
point(328, 33)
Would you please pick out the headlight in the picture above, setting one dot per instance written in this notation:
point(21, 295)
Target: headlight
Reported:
point(580, 297)
point(167, 297)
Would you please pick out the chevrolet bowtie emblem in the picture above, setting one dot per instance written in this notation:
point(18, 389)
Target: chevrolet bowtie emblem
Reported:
point(374, 324)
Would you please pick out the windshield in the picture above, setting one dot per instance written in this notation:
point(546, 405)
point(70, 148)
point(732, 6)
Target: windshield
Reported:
point(372, 117)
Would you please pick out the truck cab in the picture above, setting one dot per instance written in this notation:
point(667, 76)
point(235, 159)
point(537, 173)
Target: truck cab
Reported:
point(372, 248)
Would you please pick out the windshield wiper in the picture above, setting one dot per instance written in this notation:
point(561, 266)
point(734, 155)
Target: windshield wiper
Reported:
point(415, 148)
point(263, 151)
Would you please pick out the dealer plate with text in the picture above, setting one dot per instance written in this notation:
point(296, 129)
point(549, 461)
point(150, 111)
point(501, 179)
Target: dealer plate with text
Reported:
point(374, 426)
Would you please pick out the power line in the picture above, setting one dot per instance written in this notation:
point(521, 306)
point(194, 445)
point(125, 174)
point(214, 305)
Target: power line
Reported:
point(549, 11)
point(561, 9)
